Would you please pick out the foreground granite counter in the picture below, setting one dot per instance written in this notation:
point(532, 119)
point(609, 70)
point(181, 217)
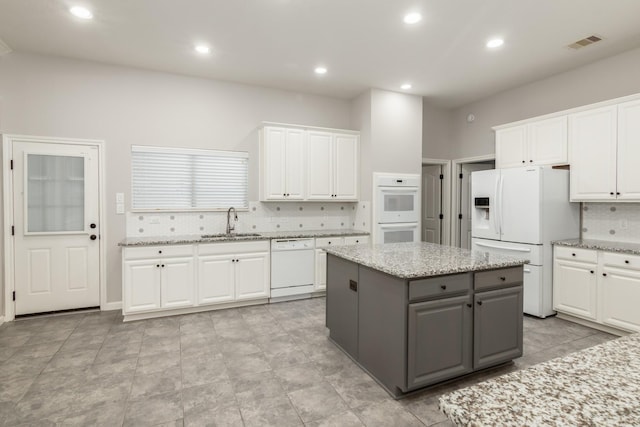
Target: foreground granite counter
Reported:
point(596, 386)
point(421, 259)
point(191, 239)
point(601, 245)
point(416, 314)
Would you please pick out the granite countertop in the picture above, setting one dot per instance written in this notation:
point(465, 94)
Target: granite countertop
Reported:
point(416, 260)
point(596, 386)
point(190, 239)
point(602, 245)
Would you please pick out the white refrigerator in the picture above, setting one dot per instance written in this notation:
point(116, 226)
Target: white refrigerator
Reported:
point(519, 211)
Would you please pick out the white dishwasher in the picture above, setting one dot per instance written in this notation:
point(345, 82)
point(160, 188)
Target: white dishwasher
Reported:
point(292, 268)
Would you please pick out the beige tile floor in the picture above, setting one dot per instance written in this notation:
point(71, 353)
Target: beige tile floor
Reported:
point(252, 366)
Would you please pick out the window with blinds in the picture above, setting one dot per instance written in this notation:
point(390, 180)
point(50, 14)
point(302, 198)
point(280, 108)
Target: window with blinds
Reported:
point(188, 179)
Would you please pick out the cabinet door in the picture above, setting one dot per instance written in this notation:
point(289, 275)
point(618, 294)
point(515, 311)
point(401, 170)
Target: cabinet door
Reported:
point(342, 303)
point(141, 285)
point(274, 161)
point(295, 164)
point(215, 279)
point(177, 284)
point(346, 158)
point(574, 288)
point(497, 326)
point(547, 141)
point(320, 283)
point(319, 162)
point(439, 341)
point(592, 154)
point(620, 296)
point(629, 151)
point(252, 276)
point(511, 147)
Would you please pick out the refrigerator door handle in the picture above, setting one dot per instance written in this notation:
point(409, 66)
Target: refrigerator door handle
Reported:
point(501, 190)
point(485, 245)
point(494, 214)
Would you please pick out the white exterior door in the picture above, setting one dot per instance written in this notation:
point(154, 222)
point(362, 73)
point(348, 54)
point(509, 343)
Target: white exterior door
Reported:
point(628, 151)
point(345, 167)
point(511, 147)
point(252, 276)
point(592, 154)
point(216, 279)
point(431, 203)
point(56, 212)
point(548, 141)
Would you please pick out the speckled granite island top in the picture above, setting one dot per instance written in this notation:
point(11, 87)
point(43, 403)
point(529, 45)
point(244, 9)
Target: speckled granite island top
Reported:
point(190, 239)
point(602, 245)
point(421, 259)
point(599, 386)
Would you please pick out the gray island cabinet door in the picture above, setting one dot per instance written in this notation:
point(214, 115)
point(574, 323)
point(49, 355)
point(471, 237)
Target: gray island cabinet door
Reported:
point(497, 326)
point(440, 340)
point(342, 303)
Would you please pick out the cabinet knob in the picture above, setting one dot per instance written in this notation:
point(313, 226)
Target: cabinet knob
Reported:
point(468, 305)
point(530, 161)
point(617, 193)
point(443, 287)
point(157, 265)
point(163, 265)
point(479, 302)
point(523, 161)
point(591, 271)
point(611, 193)
point(626, 261)
point(604, 274)
point(503, 278)
point(159, 252)
point(358, 241)
point(573, 254)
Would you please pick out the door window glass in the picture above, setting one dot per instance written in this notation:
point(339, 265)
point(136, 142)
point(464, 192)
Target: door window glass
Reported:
point(55, 193)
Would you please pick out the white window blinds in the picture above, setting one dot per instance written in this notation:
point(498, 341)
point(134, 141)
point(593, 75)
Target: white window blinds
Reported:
point(182, 179)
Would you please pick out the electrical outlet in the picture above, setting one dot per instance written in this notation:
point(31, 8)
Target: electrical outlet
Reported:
point(120, 208)
point(119, 197)
point(154, 220)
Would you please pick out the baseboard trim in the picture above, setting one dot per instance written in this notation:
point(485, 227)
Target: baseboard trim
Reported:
point(109, 306)
point(1, 320)
point(593, 325)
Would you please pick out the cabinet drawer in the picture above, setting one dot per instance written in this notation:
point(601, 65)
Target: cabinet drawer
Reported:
point(498, 278)
point(439, 286)
point(152, 252)
point(329, 241)
point(356, 240)
point(628, 261)
point(576, 254)
point(233, 247)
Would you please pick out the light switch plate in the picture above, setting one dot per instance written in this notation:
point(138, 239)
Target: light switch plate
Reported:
point(119, 208)
point(119, 197)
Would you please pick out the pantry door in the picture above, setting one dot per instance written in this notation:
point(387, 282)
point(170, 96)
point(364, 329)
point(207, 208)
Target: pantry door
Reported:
point(56, 229)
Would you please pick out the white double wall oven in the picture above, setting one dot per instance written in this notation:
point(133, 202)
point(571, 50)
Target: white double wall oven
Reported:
point(396, 208)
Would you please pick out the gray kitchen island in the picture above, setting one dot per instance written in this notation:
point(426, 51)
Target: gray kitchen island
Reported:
point(416, 314)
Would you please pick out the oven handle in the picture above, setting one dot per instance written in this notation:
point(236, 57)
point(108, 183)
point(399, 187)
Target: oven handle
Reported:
point(399, 225)
point(398, 189)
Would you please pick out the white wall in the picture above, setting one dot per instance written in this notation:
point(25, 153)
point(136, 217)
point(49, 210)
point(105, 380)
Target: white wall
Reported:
point(605, 79)
point(436, 132)
point(51, 96)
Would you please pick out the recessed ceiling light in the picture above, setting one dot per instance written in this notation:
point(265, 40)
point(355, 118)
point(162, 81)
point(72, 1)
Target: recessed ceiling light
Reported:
point(494, 43)
point(320, 70)
point(81, 12)
point(203, 49)
point(412, 18)
point(405, 86)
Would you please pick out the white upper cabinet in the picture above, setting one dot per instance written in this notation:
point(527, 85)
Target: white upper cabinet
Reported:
point(282, 168)
point(313, 164)
point(628, 176)
point(592, 141)
point(542, 142)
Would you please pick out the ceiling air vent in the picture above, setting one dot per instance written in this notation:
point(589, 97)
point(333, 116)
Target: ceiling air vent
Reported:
point(585, 42)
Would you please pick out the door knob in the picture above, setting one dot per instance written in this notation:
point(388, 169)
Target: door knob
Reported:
point(92, 225)
point(93, 237)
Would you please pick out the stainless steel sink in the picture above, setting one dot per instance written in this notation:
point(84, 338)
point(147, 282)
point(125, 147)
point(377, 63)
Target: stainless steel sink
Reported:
point(221, 235)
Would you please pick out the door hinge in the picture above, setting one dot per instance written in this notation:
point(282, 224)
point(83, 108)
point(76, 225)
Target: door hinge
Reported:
point(441, 216)
point(460, 176)
point(11, 164)
point(13, 230)
point(14, 295)
point(459, 216)
point(441, 176)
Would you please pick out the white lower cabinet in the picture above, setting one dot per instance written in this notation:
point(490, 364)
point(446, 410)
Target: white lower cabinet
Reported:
point(320, 283)
point(172, 277)
point(598, 286)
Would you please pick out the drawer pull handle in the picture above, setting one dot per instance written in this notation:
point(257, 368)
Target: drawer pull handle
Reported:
point(503, 278)
point(444, 287)
point(479, 302)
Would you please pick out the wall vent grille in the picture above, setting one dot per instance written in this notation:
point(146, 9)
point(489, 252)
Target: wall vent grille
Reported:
point(585, 42)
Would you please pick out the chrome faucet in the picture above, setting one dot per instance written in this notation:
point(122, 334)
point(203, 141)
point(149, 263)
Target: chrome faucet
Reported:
point(231, 228)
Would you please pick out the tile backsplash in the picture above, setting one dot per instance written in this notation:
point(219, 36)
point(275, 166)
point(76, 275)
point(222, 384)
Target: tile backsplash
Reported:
point(611, 221)
point(272, 216)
